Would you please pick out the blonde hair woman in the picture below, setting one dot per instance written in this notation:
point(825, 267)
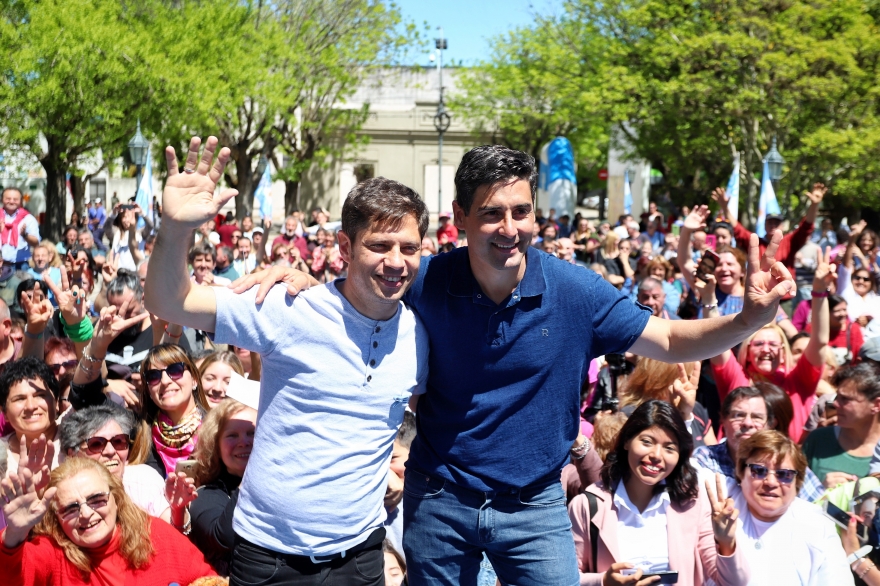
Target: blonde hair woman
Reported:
point(216, 372)
point(766, 356)
point(84, 529)
point(225, 442)
point(675, 384)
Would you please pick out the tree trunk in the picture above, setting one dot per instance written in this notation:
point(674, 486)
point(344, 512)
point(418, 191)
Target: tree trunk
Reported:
point(78, 190)
point(56, 196)
point(291, 197)
point(244, 201)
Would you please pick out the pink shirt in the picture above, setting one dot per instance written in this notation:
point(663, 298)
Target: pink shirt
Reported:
point(799, 384)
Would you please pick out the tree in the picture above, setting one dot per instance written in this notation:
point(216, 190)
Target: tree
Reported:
point(72, 83)
point(690, 83)
point(531, 91)
point(304, 59)
point(78, 74)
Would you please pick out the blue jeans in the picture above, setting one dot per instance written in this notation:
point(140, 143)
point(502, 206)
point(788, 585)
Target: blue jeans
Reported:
point(525, 532)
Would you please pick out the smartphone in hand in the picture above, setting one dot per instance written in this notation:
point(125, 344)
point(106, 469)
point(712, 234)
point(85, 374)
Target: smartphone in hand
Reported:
point(707, 264)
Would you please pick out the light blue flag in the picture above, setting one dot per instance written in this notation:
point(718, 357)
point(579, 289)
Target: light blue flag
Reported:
point(733, 190)
point(627, 194)
point(767, 204)
point(144, 196)
point(263, 194)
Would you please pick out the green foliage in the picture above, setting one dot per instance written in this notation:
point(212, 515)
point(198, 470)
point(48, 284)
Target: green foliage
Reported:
point(690, 83)
point(696, 81)
point(531, 91)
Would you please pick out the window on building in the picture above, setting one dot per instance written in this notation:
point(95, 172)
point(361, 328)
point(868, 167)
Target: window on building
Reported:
point(364, 171)
point(98, 188)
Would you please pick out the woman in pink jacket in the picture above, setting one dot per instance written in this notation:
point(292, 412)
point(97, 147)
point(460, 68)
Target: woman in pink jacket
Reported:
point(649, 516)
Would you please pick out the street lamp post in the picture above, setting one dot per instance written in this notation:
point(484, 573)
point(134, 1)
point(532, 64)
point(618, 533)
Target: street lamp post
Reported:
point(138, 147)
point(775, 162)
point(441, 120)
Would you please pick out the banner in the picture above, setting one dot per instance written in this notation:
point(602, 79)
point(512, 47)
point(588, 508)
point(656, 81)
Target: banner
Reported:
point(733, 190)
point(767, 204)
point(263, 195)
point(627, 194)
point(144, 196)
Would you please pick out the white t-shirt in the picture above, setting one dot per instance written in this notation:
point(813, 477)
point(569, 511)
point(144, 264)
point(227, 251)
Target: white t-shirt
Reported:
point(145, 487)
point(800, 548)
point(121, 249)
point(334, 388)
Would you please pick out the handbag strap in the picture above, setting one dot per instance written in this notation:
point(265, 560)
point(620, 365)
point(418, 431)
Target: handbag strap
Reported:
point(594, 529)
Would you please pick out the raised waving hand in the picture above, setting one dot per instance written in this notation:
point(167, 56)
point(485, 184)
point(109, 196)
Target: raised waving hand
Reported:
point(190, 198)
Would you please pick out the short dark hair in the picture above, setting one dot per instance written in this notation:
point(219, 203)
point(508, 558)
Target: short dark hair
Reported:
point(27, 368)
point(384, 202)
point(491, 165)
point(682, 481)
point(780, 410)
point(126, 279)
point(202, 249)
point(740, 393)
point(835, 300)
point(864, 376)
point(407, 431)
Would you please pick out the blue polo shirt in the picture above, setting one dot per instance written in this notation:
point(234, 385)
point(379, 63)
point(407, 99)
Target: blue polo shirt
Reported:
point(504, 381)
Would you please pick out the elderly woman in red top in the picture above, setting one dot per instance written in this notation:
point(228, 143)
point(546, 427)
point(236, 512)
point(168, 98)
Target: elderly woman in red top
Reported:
point(766, 355)
point(85, 530)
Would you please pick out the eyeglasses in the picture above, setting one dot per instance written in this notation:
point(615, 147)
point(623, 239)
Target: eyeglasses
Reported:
point(153, 376)
point(96, 445)
point(784, 476)
point(739, 417)
point(762, 343)
point(95, 502)
point(69, 364)
point(861, 278)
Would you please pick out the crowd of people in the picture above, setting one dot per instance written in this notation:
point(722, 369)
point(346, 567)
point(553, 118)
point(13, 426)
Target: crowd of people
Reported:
point(513, 398)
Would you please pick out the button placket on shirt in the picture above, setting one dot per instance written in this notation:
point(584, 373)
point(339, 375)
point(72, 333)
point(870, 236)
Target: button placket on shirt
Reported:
point(495, 333)
point(371, 362)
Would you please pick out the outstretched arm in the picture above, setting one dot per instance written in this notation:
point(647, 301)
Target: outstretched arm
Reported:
point(767, 283)
point(189, 200)
point(696, 220)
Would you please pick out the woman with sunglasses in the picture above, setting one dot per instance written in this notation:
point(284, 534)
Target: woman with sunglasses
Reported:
point(104, 434)
point(766, 355)
point(85, 530)
point(171, 402)
point(650, 514)
point(785, 539)
point(857, 285)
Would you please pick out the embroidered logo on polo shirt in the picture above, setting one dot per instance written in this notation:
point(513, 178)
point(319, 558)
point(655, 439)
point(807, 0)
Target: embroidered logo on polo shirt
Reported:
point(545, 332)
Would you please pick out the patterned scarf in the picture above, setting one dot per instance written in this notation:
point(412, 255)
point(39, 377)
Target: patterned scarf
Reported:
point(176, 442)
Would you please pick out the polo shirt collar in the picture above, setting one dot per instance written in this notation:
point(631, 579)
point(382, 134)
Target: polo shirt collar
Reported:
point(464, 284)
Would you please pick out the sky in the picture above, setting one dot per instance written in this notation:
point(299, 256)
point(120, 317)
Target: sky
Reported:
point(467, 24)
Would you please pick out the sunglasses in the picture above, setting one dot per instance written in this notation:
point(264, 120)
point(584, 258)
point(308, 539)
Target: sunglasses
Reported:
point(96, 445)
point(784, 476)
point(56, 368)
point(861, 278)
point(153, 376)
point(94, 502)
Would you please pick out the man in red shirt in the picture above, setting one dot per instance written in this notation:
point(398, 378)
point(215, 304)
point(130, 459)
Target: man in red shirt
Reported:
point(447, 232)
point(791, 242)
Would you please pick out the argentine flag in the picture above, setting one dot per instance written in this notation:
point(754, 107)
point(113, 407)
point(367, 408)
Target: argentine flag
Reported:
point(263, 194)
point(767, 204)
point(144, 196)
point(733, 190)
point(627, 194)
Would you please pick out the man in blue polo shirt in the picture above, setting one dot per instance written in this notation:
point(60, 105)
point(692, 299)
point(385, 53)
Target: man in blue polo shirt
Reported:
point(507, 360)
